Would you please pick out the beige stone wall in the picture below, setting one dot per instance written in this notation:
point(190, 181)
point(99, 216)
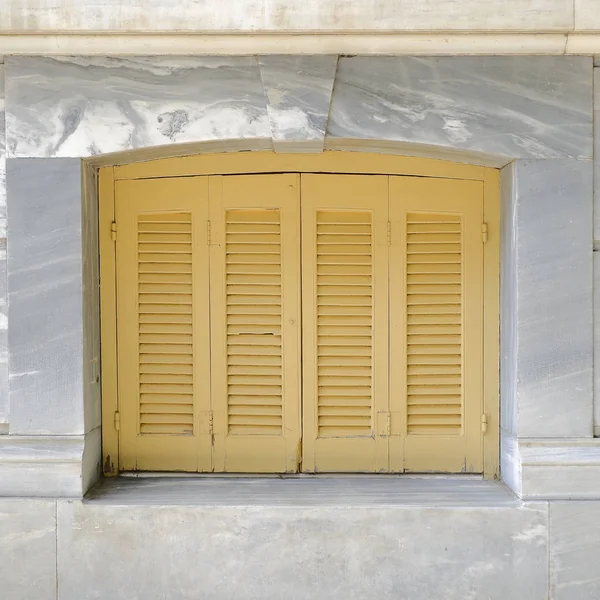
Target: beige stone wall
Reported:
point(318, 16)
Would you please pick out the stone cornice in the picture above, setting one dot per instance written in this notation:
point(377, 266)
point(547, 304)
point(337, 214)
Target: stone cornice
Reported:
point(415, 44)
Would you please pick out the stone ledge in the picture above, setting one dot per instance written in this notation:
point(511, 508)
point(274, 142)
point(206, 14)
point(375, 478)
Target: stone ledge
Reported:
point(49, 466)
point(558, 469)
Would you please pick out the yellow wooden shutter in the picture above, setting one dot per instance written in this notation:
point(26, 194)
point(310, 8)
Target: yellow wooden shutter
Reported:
point(436, 321)
point(345, 323)
point(162, 300)
point(255, 288)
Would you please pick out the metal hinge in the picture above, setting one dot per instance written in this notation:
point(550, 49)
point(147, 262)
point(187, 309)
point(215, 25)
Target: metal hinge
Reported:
point(117, 420)
point(208, 233)
point(211, 427)
point(384, 423)
point(299, 452)
point(113, 231)
point(484, 232)
point(389, 233)
point(484, 423)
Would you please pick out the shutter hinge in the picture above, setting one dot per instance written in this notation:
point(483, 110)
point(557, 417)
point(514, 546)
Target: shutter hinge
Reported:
point(113, 231)
point(208, 233)
point(484, 232)
point(389, 233)
point(384, 423)
point(484, 423)
point(117, 420)
point(211, 428)
point(299, 453)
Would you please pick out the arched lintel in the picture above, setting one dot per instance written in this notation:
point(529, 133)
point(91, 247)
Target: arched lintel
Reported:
point(257, 155)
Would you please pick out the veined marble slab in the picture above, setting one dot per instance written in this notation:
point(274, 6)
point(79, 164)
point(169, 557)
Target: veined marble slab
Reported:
point(78, 106)
point(298, 91)
point(554, 297)
point(518, 107)
point(3, 282)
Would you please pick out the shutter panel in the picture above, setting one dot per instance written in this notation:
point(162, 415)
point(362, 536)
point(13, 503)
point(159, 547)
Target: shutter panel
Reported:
point(436, 315)
point(166, 358)
point(345, 322)
point(162, 278)
point(255, 303)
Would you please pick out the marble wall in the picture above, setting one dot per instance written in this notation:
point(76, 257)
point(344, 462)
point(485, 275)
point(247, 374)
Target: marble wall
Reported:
point(3, 282)
point(531, 113)
point(498, 107)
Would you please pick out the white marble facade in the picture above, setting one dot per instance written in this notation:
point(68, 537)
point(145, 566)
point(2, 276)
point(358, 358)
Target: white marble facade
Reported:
point(531, 115)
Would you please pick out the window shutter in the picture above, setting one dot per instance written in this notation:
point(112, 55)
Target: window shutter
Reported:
point(255, 322)
point(162, 278)
point(436, 317)
point(345, 277)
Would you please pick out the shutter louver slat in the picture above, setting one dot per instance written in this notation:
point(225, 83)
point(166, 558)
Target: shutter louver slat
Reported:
point(434, 324)
point(344, 323)
point(253, 322)
point(165, 340)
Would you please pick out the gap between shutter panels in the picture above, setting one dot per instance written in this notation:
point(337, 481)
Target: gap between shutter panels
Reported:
point(344, 323)
point(253, 321)
point(434, 323)
point(164, 244)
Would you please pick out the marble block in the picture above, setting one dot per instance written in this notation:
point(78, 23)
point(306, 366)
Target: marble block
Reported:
point(45, 294)
point(597, 344)
point(553, 314)
point(27, 549)
point(597, 153)
point(341, 552)
point(279, 16)
point(298, 91)
point(516, 107)
point(574, 550)
point(78, 106)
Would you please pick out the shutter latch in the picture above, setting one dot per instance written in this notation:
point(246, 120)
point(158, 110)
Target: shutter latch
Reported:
point(484, 423)
point(113, 231)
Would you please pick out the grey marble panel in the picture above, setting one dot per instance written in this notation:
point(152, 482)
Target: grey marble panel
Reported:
point(298, 91)
point(574, 544)
point(80, 106)
point(318, 552)
point(45, 296)
point(508, 301)
point(554, 323)
point(597, 343)
point(27, 549)
point(517, 107)
point(44, 466)
point(597, 154)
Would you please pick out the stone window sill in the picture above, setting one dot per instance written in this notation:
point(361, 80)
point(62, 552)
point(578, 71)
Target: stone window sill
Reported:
point(303, 491)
